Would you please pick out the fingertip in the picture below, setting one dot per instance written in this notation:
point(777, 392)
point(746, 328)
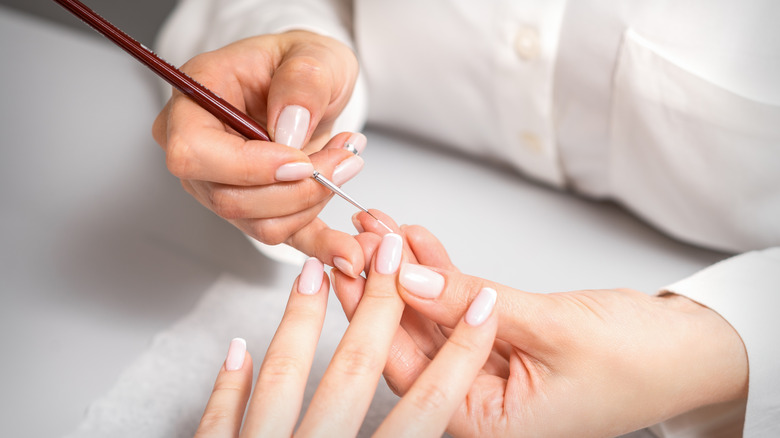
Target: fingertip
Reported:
point(356, 223)
point(376, 221)
point(292, 126)
point(236, 355)
point(356, 143)
point(312, 277)
point(481, 307)
point(345, 266)
point(421, 281)
point(427, 248)
point(389, 254)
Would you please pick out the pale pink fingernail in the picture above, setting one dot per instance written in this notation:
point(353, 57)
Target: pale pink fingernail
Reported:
point(388, 256)
point(310, 281)
point(356, 223)
point(347, 169)
point(421, 281)
point(356, 143)
point(481, 307)
point(235, 355)
point(292, 126)
point(294, 171)
point(344, 266)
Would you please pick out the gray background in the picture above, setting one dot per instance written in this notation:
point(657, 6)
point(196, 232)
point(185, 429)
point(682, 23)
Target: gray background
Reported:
point(138, 18)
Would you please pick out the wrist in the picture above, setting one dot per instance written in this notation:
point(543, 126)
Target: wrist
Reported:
point(713, 359)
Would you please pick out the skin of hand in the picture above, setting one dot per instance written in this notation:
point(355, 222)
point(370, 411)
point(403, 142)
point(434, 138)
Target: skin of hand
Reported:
point(347, 387)
point(296, 83)
point(584, 363)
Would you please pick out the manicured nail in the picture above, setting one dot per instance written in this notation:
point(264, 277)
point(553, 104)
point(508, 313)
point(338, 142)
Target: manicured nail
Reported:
point(235, 355)
point(310, 281)
point(347, 169)
point(294, 171)
point(292, 126)
point(421, 281)
point(481, 307)
point(356, 223)
point(344, 266)
point(332, 275)
point(356, 143)
point(388, 256)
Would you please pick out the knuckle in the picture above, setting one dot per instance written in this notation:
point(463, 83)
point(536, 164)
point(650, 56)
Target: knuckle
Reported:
point(159, 128)
point(466, 288)
point(307, 69)
point(228, 388)
point(466, 346)
point(178, 158)
point(213, 418)
point(428, 397)
point(280, 368)
point(269, 232)
point(358, 361)
point(225, 202)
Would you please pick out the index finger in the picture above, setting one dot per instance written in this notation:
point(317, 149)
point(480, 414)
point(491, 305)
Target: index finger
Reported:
point(199, 146)
point(287, 362)
point(345, 392)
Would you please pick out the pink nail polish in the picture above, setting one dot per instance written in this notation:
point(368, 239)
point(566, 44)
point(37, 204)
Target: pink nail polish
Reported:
point(294, 171)
point(421, 281)
point(388, 256)
point(356, 223)
point(310, 281)
point(347, 169)
point(481, 307)
point(235, 355)
point(356, 143)
point(292, 126)
point(343, 265)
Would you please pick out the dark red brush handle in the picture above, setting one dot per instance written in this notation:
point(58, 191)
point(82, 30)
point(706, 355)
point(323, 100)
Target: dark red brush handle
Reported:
point(214, 104)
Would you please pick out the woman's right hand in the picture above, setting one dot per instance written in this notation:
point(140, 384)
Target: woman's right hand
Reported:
point(296, 84)
point(345, 391)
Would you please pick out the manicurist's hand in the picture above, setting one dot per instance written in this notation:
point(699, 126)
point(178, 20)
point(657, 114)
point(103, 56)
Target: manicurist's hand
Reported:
point(585, 363)
point(347, 387)
point(296, 84)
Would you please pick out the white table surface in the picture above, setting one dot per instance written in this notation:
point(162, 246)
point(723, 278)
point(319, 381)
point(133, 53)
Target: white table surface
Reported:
point(100, 248)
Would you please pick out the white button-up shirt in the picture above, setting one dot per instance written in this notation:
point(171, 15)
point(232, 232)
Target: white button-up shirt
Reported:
point(669, 107)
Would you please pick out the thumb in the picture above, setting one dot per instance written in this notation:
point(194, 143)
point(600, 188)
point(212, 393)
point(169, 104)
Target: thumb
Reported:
point(444, 296)
point(309, 88)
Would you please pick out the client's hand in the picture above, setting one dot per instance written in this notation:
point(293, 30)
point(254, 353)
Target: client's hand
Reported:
point(583, 363)
point(296, 83)
point(345, 391)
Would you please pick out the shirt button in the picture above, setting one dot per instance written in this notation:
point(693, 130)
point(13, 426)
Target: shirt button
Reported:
point(531, 142)
point(527, 43)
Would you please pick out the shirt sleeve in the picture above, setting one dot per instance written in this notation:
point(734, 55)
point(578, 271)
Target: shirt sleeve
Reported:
point(745, 290)
point(197, 26)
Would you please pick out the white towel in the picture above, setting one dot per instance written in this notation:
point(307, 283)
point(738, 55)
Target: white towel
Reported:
point(163, 393)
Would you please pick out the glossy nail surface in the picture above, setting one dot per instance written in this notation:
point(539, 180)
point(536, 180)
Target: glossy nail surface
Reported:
point(347, 169)
point(310, 280)
point(356, 143)
point(343, 265)
point(235, 355)
point(481, 307)
point(356, 223)
point(388, 256)
point(294, 171)
point(292, 126)
point(421, 281)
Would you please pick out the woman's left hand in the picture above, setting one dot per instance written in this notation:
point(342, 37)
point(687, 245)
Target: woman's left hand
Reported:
point(580, 363)
point(347, 388)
